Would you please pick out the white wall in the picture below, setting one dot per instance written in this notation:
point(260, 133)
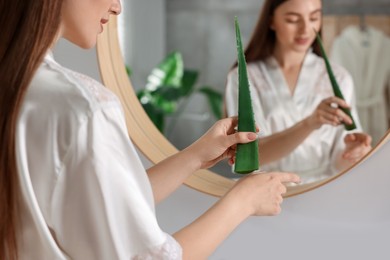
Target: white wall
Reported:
point(346, 219)
point(143, 46)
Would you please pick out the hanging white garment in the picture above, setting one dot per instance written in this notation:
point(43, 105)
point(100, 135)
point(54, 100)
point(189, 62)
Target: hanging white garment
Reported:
point(85, 192)
point(276, 109)
point(366, 55)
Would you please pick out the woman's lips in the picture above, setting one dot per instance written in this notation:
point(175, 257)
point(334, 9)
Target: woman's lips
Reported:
point(302, 41)
point(102, 22)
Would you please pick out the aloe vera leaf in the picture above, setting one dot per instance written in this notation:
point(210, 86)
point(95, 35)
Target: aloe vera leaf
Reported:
point(247, 155)
point(336, 89)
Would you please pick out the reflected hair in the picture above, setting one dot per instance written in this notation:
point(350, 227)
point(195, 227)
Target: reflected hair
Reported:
point(263, 40)
point(29, 28)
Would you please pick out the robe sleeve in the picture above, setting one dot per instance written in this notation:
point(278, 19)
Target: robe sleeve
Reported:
point(102, 205)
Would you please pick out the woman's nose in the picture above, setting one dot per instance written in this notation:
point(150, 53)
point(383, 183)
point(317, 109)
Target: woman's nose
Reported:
point(116, 7)
point(305, 26)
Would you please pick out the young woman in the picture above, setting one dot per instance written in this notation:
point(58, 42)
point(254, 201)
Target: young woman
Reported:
point(71, 183)
point(293, 100)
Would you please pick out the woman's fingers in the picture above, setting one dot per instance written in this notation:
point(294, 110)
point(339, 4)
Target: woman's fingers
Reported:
point(336, 102)
point(358, 145)
point(268, 189)
point(286, 177)
point(240, 138)
point(331, 113)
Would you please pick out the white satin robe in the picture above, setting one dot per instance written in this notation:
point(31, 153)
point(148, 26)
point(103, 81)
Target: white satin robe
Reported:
point(276, 109)
point(366, 55)
point(85, 193)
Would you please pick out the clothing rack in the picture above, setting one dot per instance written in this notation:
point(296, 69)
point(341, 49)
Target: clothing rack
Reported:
point(333, 25)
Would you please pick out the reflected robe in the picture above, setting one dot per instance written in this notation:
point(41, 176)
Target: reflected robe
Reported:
point(276, 109)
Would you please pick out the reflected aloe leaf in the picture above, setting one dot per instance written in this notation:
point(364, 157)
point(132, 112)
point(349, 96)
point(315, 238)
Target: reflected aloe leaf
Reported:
point(335, 86)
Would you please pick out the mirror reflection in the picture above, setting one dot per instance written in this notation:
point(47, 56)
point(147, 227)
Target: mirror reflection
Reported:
point(202, 34)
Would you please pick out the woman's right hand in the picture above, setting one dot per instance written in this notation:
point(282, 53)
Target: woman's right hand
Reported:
point(256, 194)
point(260, 194)
point(328, 112)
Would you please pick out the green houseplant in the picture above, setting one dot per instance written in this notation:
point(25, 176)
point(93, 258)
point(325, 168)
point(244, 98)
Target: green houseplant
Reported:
point(169, 86)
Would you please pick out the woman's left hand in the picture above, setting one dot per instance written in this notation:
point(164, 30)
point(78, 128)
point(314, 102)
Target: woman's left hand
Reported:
point(219, 142)
point(357, 145)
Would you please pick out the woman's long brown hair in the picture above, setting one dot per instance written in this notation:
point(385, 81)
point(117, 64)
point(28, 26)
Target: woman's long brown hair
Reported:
point(28, 29)
point(263, 40)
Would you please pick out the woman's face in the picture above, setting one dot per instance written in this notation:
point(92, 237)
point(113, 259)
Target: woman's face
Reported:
point(83, 20)
point(294, 21)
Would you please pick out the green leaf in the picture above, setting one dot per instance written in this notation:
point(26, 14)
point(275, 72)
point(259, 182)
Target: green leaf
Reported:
point(336, 89)
point(168, 73)
point(170, 84)
point(188, 81)
point(169, 93)
point(155, 114)
point(144, 96)
point(158, 118)
point(159, 103)
point(128, 70)
point(164, 105)
point(247, 155)
point(215, 100)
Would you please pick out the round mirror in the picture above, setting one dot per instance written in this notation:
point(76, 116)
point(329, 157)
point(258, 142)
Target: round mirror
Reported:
point(117, 49)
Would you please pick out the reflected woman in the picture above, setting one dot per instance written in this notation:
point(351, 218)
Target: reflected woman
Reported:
point(293, 100)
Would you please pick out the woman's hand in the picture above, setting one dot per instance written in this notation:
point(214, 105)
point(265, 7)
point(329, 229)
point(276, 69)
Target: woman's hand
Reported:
point(357, 145)
point(219, 142)
point(256, 194)
point(328, 112)
point(261, 194)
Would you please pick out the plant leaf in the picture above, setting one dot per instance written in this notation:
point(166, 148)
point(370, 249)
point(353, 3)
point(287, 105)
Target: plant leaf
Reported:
point(128, 70)
point(164, 105)
point(336, 89)
point(169, 93)
point(188, 81)
point(156, 115)
point(215, 100)
point(159, 103)
point(168, 73)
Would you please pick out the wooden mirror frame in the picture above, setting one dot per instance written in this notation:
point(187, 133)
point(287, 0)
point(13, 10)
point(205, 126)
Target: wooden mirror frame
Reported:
point(148, 138)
